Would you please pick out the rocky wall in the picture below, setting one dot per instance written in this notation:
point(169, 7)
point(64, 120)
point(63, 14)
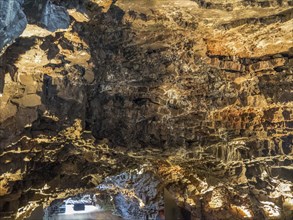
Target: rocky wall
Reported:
point(199, 91)
point(15, 14)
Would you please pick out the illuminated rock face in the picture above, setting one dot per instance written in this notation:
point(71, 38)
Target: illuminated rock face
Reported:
point(199, 92)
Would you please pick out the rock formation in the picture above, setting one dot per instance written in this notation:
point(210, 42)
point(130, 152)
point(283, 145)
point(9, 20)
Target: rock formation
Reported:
point(134, 97)
point(12, 21)
point(15, 14)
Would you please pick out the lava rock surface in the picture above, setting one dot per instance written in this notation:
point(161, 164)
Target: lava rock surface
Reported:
point(134, 97)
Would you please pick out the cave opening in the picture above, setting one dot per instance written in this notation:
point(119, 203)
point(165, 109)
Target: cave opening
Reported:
point(87, 206)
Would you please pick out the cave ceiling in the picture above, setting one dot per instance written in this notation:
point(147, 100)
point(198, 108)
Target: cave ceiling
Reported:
point(133, 97)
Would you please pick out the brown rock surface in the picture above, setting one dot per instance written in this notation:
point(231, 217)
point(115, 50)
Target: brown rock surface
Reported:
point(199, 92)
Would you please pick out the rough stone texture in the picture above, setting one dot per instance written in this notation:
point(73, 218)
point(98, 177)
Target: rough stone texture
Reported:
point(137, 193)
point(13, 18)
point(199, 91)
point(12, 21)
point(47, 14)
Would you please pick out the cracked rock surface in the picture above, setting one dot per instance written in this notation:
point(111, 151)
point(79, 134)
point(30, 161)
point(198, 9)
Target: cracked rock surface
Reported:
point(15, 14)
point(134, 97)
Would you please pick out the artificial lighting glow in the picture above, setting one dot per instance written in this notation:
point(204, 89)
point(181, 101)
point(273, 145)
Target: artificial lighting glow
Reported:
point(246, 211)
point(288, 203)
point(242, 210)
point(216, 201)
point(76, 209)
point(141, 203)
point(69, 210)
point(271, 209)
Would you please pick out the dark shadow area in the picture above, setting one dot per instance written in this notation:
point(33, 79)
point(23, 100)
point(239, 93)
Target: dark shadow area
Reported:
point(2, 78)
point(46, 14)
point(34, 10)
point(119, 114)
point(172, 210)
